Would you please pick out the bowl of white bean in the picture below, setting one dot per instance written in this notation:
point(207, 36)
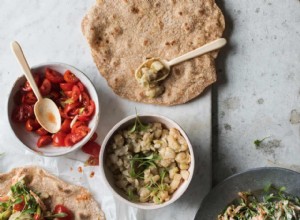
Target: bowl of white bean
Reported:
point(147, 161)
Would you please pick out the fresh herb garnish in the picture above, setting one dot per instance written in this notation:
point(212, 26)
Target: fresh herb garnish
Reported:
point(267, 187)
point(29, 204)
point(131, 195)
point(68, 101)
point(162, 175)
point(18, 201)
point(155, 187)
point(139, 163)
point(282, 189)
point(81, 110)
point(30, 211)
point(138, 125)
point(65, 102)
point(21, 193)
point(258, 142)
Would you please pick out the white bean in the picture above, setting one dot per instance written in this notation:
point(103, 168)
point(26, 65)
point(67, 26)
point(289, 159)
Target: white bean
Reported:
point(183, 166)
point(144, 194)
point(185, 174)
point(175, 182)
point(172, 172)
point(119, 140)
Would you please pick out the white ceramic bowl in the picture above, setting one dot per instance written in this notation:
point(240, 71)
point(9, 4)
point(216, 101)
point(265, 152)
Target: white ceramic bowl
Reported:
point(29, 139)
point(107, 175)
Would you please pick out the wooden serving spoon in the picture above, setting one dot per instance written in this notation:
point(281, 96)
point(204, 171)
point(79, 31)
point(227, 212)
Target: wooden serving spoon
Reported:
point(45, 110)
point(211, 46)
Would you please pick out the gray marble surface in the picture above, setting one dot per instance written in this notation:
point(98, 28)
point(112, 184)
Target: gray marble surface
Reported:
point(258, 87)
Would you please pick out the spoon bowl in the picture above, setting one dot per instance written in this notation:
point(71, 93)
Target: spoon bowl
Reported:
point(211, 46)
point(47, 114)
point(45, 110)
point(148, 63)
point(152, 71)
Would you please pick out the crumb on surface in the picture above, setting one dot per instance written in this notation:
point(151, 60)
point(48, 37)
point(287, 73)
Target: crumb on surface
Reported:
point(92, 174)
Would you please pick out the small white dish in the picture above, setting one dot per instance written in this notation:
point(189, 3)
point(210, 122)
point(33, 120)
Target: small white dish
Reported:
point(27, 139)
point(107, 175)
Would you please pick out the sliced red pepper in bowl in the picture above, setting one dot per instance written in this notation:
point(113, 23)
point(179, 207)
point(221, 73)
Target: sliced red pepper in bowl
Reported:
point(44, 140)
point(53, 76)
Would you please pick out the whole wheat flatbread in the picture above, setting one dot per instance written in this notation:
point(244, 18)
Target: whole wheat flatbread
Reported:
point(76, 198)
point(122, 34)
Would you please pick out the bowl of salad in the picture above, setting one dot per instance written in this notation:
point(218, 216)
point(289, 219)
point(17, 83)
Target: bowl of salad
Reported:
point(76, 98)
point(260, 193)
point(147, 161)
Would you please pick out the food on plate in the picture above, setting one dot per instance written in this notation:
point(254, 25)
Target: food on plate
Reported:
point(22, 203)
point(149, 76)
point(275, 204)
point(32, 193)
point(149, 162)
point(73, 100)
point(122, 36)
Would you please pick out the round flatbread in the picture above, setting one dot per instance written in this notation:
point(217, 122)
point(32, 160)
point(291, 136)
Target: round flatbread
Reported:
point(76, 198)
point(123, 34)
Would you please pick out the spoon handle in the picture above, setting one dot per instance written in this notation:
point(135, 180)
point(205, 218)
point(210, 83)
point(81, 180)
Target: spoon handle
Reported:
point(17, 50)
point(216, 44)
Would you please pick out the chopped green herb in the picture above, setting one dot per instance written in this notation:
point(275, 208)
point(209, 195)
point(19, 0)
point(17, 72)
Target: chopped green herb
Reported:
point(131, 195)
point(138, 164)
point(27, 199)
point(162, 175)
point(30, 211)
point(68, 101)
point(81, 110)
point(267, 187)
point(258, 142)
point(155, 188)
point(282, 189)
point(18, 201)
point(138, 125)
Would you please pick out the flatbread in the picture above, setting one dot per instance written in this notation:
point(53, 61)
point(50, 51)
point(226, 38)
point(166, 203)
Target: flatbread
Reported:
point(75, 198)
point(122, 34)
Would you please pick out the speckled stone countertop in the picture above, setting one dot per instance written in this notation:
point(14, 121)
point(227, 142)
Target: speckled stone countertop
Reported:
point(258, 88)
point(257, 94)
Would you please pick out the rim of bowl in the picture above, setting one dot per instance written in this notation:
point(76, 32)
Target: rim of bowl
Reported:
point(140, 205)
point(251, 170)
point(85, 139)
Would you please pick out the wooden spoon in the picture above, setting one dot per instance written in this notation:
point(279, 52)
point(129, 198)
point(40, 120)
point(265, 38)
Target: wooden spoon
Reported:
point(45, 110)
point(211, 46)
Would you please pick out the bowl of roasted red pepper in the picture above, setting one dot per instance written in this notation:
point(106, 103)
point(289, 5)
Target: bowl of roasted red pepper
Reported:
point(76, 98)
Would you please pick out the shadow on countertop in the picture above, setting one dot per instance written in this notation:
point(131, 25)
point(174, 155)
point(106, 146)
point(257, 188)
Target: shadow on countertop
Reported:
point(221, 81)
